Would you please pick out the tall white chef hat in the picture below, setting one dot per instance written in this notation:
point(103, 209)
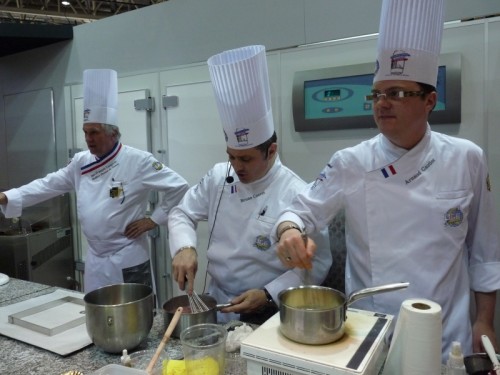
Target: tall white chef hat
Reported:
point(100, 96)
point(241, 86)
point(409, 40)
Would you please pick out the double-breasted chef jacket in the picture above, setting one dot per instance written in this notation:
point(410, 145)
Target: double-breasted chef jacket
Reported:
point(112, 192)
point(425, 216)
point(241, 255)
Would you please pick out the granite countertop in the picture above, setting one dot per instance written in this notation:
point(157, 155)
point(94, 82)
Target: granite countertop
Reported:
point(18, 358)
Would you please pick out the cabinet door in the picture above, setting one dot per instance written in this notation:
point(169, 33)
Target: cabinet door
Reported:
point(195, 140)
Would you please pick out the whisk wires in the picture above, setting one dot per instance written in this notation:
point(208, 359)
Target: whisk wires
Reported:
point(196, 303)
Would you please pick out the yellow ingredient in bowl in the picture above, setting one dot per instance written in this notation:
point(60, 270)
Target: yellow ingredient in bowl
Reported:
point(174, 367)
point(203, 366)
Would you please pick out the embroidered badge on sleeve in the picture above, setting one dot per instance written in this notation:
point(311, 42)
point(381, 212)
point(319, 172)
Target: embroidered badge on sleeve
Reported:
point(157, 166)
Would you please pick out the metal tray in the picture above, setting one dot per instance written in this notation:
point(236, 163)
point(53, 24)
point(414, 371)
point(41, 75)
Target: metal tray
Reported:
point(66, 311)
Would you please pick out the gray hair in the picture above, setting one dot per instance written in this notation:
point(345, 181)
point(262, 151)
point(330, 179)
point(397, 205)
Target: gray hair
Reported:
point(112, 130)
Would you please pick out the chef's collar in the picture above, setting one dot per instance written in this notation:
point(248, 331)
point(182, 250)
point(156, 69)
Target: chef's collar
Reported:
point(269, 175)
point(397, 151)
point(108, 153)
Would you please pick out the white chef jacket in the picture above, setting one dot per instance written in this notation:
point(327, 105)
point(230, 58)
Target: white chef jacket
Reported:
point(425, 216)
point(134, 173)
point(240, 216)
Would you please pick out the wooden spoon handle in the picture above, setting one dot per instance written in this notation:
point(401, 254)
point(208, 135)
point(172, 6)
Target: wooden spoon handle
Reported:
point(165, 339)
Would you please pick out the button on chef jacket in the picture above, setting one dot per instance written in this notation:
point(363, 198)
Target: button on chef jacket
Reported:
point(425, 216)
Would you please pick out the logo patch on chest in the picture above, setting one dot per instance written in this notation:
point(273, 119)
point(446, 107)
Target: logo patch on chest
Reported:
point(262, 243)
point(453, 217)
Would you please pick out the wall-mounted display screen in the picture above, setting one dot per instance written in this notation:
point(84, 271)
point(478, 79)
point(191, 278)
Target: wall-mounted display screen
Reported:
point(337, 97)
point(334, 98)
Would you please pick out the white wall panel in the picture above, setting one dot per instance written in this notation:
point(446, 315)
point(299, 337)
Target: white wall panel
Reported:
point(195, 139)
point(492, 99)
point(468, 40)
point(183, 32)
point(30, 135)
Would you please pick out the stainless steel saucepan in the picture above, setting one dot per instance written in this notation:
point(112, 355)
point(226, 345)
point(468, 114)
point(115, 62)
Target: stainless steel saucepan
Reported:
point(312, 314)
point(189, 318)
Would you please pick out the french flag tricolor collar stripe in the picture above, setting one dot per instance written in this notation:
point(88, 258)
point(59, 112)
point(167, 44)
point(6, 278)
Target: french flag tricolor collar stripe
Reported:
point(388, 171)
point(102, 161)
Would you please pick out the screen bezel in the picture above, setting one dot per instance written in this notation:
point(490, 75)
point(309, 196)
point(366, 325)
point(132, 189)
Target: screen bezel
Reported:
point(450, 115)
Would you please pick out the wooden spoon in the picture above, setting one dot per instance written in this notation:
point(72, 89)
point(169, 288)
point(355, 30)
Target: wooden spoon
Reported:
point(165, 339)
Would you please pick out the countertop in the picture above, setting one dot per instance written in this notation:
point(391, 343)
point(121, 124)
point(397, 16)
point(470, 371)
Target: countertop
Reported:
point(19, 358)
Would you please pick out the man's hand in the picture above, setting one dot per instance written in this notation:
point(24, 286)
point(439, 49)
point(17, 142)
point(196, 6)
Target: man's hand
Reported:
point(484, 322)
point(185, 265)
point(3, 198)
point(250, 301)
point(138, 227)
point(479, 329)
point(293, 251)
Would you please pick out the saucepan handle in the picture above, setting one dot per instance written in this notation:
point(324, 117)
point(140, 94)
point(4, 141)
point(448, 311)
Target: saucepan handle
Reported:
point(220, 306)
point(376, 290)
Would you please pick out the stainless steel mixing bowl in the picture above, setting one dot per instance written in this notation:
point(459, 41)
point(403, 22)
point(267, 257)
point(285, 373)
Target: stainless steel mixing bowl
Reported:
point(119, 316)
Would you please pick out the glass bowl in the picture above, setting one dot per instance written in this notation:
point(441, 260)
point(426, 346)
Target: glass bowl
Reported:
point(140, 360)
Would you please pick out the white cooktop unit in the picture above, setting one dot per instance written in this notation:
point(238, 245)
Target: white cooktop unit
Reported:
point(360, 351)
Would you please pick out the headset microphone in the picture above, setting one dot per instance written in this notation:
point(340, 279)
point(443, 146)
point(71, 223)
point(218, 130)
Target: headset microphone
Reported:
point(229, 179)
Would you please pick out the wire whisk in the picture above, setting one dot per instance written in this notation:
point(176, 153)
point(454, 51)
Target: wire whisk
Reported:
point(196, 303)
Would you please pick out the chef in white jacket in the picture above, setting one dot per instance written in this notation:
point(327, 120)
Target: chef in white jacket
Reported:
point(241, 199)
point(112, 182)
point(418, 204)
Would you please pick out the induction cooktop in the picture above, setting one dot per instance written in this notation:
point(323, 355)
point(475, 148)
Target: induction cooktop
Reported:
point(360, 351)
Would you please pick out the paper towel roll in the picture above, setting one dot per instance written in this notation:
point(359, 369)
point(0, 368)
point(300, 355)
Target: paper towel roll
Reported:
point(416, 344)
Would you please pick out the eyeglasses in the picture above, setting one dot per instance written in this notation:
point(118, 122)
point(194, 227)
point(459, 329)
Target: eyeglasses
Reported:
point(392, 95)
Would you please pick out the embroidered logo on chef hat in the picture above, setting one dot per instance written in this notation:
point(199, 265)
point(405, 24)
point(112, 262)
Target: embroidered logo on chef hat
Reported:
point(409, 41)
point(100, 96)
point(240, 82)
